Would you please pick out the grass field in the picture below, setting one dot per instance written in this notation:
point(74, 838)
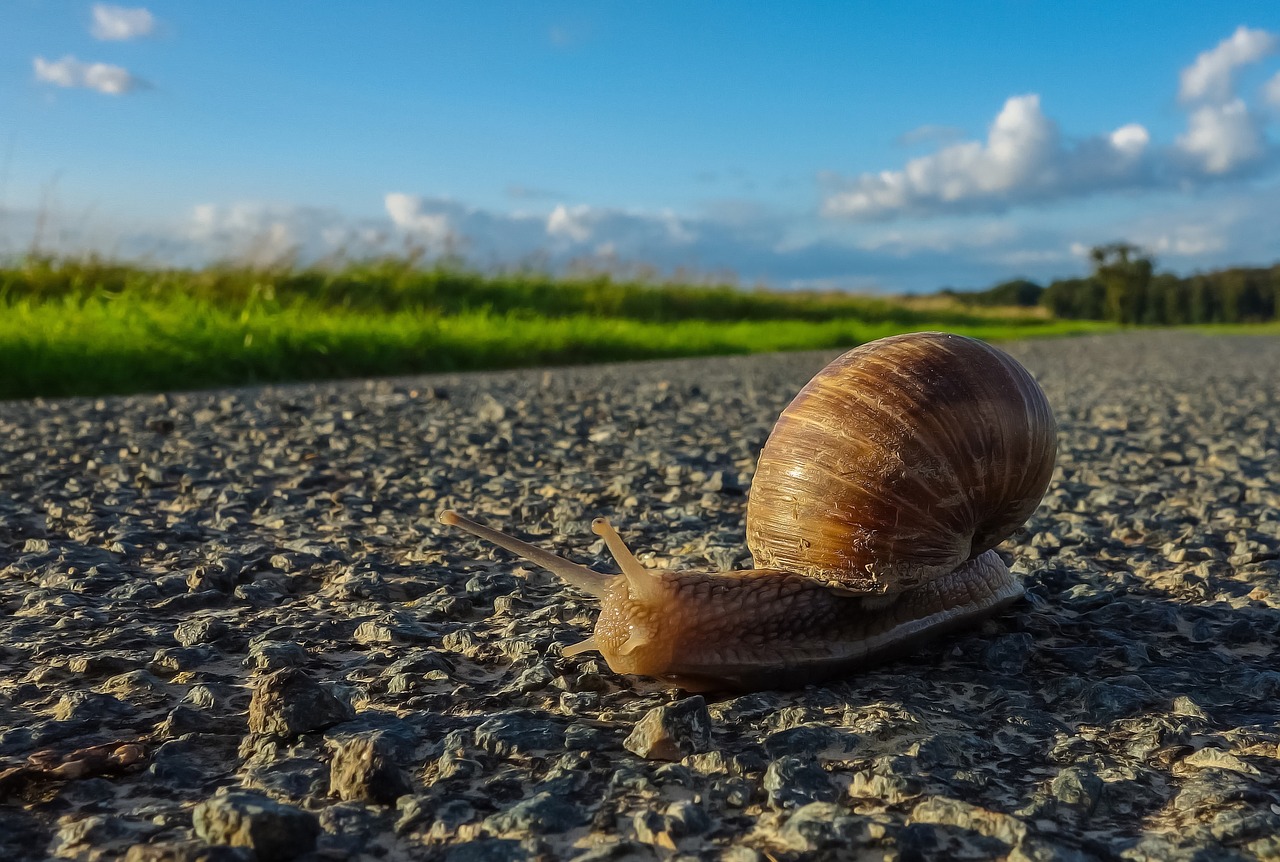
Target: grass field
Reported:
point(87, 328)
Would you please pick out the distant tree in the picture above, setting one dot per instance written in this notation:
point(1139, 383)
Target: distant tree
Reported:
point(1255, 296)
point(1203, 307)
point(1076, 299)
point(1124, 288)
point(1169, 300)
point(1125, 273)
point(1231, 288)
point(1275, 292)
point(1019, 291)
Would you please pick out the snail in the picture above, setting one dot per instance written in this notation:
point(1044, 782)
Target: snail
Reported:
point(872, 517)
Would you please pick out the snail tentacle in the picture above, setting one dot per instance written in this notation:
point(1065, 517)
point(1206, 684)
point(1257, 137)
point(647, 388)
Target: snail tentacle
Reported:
point(642, 583)
point(587, 580)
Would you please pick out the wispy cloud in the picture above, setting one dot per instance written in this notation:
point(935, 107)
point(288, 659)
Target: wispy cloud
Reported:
point(1212, 76)
point(120, 23)
point(517, 191)
point(929, 134)
point(101, 77)
point(1025, 158)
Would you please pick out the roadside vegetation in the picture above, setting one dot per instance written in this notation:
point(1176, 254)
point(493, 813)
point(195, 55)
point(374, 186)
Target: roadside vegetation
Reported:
point(85, 327)
point(1125, 288)
point(90, 326)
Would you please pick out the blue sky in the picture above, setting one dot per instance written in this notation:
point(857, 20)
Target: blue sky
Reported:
point(895, 147)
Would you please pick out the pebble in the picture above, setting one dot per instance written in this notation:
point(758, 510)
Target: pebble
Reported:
point(519, 733)
point(539, 814)
point(274, 832)
point(188, 851)
point(1078, 786)
point(364, 768)
point(795, 781)
point(672, 731)
point(820, 826)
point(289, 702)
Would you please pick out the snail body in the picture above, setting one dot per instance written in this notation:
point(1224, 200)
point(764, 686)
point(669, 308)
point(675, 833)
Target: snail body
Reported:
point(875, 506)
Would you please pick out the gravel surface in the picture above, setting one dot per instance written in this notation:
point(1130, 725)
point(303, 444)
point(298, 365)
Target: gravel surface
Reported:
point(230, 628)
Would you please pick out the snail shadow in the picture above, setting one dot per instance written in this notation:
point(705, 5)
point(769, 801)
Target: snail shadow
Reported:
point(1079, 708)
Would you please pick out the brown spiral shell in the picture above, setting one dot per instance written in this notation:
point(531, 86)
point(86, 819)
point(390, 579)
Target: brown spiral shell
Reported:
point(899, 461)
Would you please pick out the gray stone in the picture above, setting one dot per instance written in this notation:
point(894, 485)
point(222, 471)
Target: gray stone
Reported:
point(822, 826)
point(289, 702)
point(1105, 702)
point(274, 832)
point(268, 655)
point(490, 850)
point(684, 818)
point(188, 851)
point(808, 741)
point(1079, 787)
point(364, 768)
point(85, 706)
point(673, 731)
point(541, 813)
point(179, 765)
point(794, 781)
point(203, 630)
point(520, 732)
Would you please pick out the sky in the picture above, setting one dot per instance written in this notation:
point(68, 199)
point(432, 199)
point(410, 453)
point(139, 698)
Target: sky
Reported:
point(895, 147)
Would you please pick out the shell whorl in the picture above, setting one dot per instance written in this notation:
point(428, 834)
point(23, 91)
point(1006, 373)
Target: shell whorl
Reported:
point(899, 461)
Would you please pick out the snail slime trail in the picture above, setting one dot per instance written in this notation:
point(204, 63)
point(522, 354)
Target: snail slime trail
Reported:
point(876, 504)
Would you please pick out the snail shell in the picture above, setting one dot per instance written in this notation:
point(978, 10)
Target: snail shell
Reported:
point(874, 508)
point(899, 461)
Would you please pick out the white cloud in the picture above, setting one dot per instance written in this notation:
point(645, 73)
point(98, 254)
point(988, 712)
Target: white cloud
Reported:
point(1187, 241)
point(564, 223)
point(1224, 225)
point(1271, 91)
point(1212, 76)
point(1132, 139)
point(102, 77)
point(1228, 227)
point(1167, 244)
point(1223, 138)
point(914, 238)
point(408, 213)
point(264, 234)
point(120, 23)
point(1023, 159)
point(625, 231)
point(1039, 258)
point(247, 232)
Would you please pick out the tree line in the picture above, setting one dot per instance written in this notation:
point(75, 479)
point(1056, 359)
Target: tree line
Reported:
point(1124, 288)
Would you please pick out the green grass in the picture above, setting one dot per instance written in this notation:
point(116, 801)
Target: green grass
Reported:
point(89, 328)
point(1270, 327)
point(398, 285)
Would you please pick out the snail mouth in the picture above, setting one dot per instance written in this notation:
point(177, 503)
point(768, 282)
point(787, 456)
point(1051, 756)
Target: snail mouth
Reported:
point(635, 631)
